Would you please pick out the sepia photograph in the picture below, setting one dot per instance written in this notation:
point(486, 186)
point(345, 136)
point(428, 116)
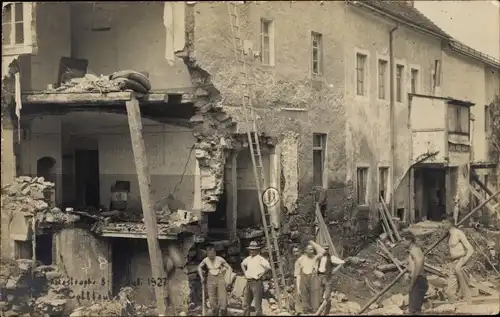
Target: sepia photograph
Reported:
point(250, 158)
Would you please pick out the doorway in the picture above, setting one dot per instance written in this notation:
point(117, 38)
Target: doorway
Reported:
point(430, 193)
point(43, 248)
point(87, 178)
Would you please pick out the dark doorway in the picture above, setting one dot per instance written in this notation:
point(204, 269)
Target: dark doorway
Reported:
point(45, 167)
point(43, 248)
point(430, 193)
point(87, 177)
point(121, 263)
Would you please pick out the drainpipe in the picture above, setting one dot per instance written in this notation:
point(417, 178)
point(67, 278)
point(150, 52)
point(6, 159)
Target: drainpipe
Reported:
point(391, 115)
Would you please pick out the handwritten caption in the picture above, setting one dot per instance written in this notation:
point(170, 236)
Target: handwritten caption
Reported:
point(88, 286)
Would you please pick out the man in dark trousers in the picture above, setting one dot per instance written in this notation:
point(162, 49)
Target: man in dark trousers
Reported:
point(254, 267)
point(418, 282)
point(216, 283)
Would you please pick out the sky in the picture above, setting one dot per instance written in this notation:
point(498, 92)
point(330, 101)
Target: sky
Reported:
point(475, 23)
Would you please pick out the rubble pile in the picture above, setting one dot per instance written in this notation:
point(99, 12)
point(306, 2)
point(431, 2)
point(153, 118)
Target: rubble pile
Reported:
point(32, 196)
point(15, 281)
point(116, 82)
point(371, 275)
point(54, 296)
point(121, 305)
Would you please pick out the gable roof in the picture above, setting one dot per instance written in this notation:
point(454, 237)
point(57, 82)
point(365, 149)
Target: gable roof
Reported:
point(400, 10)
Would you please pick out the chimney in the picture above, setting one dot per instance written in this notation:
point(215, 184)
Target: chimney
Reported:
point(409, 3)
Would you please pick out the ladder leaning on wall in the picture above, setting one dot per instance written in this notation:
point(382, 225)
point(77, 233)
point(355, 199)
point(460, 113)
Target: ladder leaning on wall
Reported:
point(255, 153)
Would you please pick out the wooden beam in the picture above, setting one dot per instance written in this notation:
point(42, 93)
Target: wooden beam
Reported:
point(96, 98)
point(141, 165)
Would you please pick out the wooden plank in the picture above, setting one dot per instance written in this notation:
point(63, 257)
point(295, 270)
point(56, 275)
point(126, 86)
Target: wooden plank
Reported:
point(141, 165)
point(481, 198)
point(385, 224)
point(111, 98)
point(389, 254)
point(135, 235)
point(324, 229)
point(389, 219)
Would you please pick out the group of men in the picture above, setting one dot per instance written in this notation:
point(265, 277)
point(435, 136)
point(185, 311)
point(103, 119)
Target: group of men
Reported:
point(313, 272)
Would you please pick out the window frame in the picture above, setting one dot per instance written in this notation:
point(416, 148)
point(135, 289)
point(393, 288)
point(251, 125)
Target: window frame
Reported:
point(487, 120)
point(399, 78)
point(382, 78)
point(387, 183)
point(28, 46)
point(414, 81)
point(322, 137)
point(270, 37)
point(319, 51)
point(361, 79)
point(457, 115)
point(365, 170)
point(13, 24)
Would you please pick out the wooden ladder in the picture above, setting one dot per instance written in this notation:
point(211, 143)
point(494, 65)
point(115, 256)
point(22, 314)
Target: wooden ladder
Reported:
point(271, 234)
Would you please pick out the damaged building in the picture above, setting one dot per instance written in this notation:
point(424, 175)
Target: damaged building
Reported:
point(329, 129)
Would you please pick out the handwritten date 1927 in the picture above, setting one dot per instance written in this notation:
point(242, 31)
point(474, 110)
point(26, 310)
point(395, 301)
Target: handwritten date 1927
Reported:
point(156, 282)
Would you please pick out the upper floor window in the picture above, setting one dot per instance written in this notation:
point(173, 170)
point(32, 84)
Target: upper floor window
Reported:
point(414, 80)
point(360, 74)
point(399, 82)
point(317, 53)
point(382, 75)
point(13, 24)
point(458, 119)
point(267, 42)
point(487, 120)
point(319, 149)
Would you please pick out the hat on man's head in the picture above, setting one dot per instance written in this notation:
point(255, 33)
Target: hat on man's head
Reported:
point(254, 245)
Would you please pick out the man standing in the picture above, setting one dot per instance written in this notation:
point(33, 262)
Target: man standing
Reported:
point(298, 254)
point(216, 284)
point(308, 283)
point(254, 267)
point(325, 273)
point(460, 251)
point(418, 282)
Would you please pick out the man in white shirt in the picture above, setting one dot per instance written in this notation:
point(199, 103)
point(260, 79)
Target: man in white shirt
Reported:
point(216, 283)
point(325, 272)
point(308, 283)
point(254, 267)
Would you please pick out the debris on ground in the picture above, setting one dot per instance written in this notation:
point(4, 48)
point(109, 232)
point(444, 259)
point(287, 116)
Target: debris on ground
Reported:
point(371, 276)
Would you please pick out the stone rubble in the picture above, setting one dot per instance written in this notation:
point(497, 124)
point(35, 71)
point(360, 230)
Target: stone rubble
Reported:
point(31, 196)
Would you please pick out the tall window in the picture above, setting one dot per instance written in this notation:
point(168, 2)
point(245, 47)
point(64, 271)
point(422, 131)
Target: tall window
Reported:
point(267, 42)
point(487, 120)
point(382, 75)
point(399, 83)
point(360, 74)
point(458, 119)
point(319, 147)
point(383, 182)
point(362, 185)
point(317, 53)
point(414, 80)
point(12, 24)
